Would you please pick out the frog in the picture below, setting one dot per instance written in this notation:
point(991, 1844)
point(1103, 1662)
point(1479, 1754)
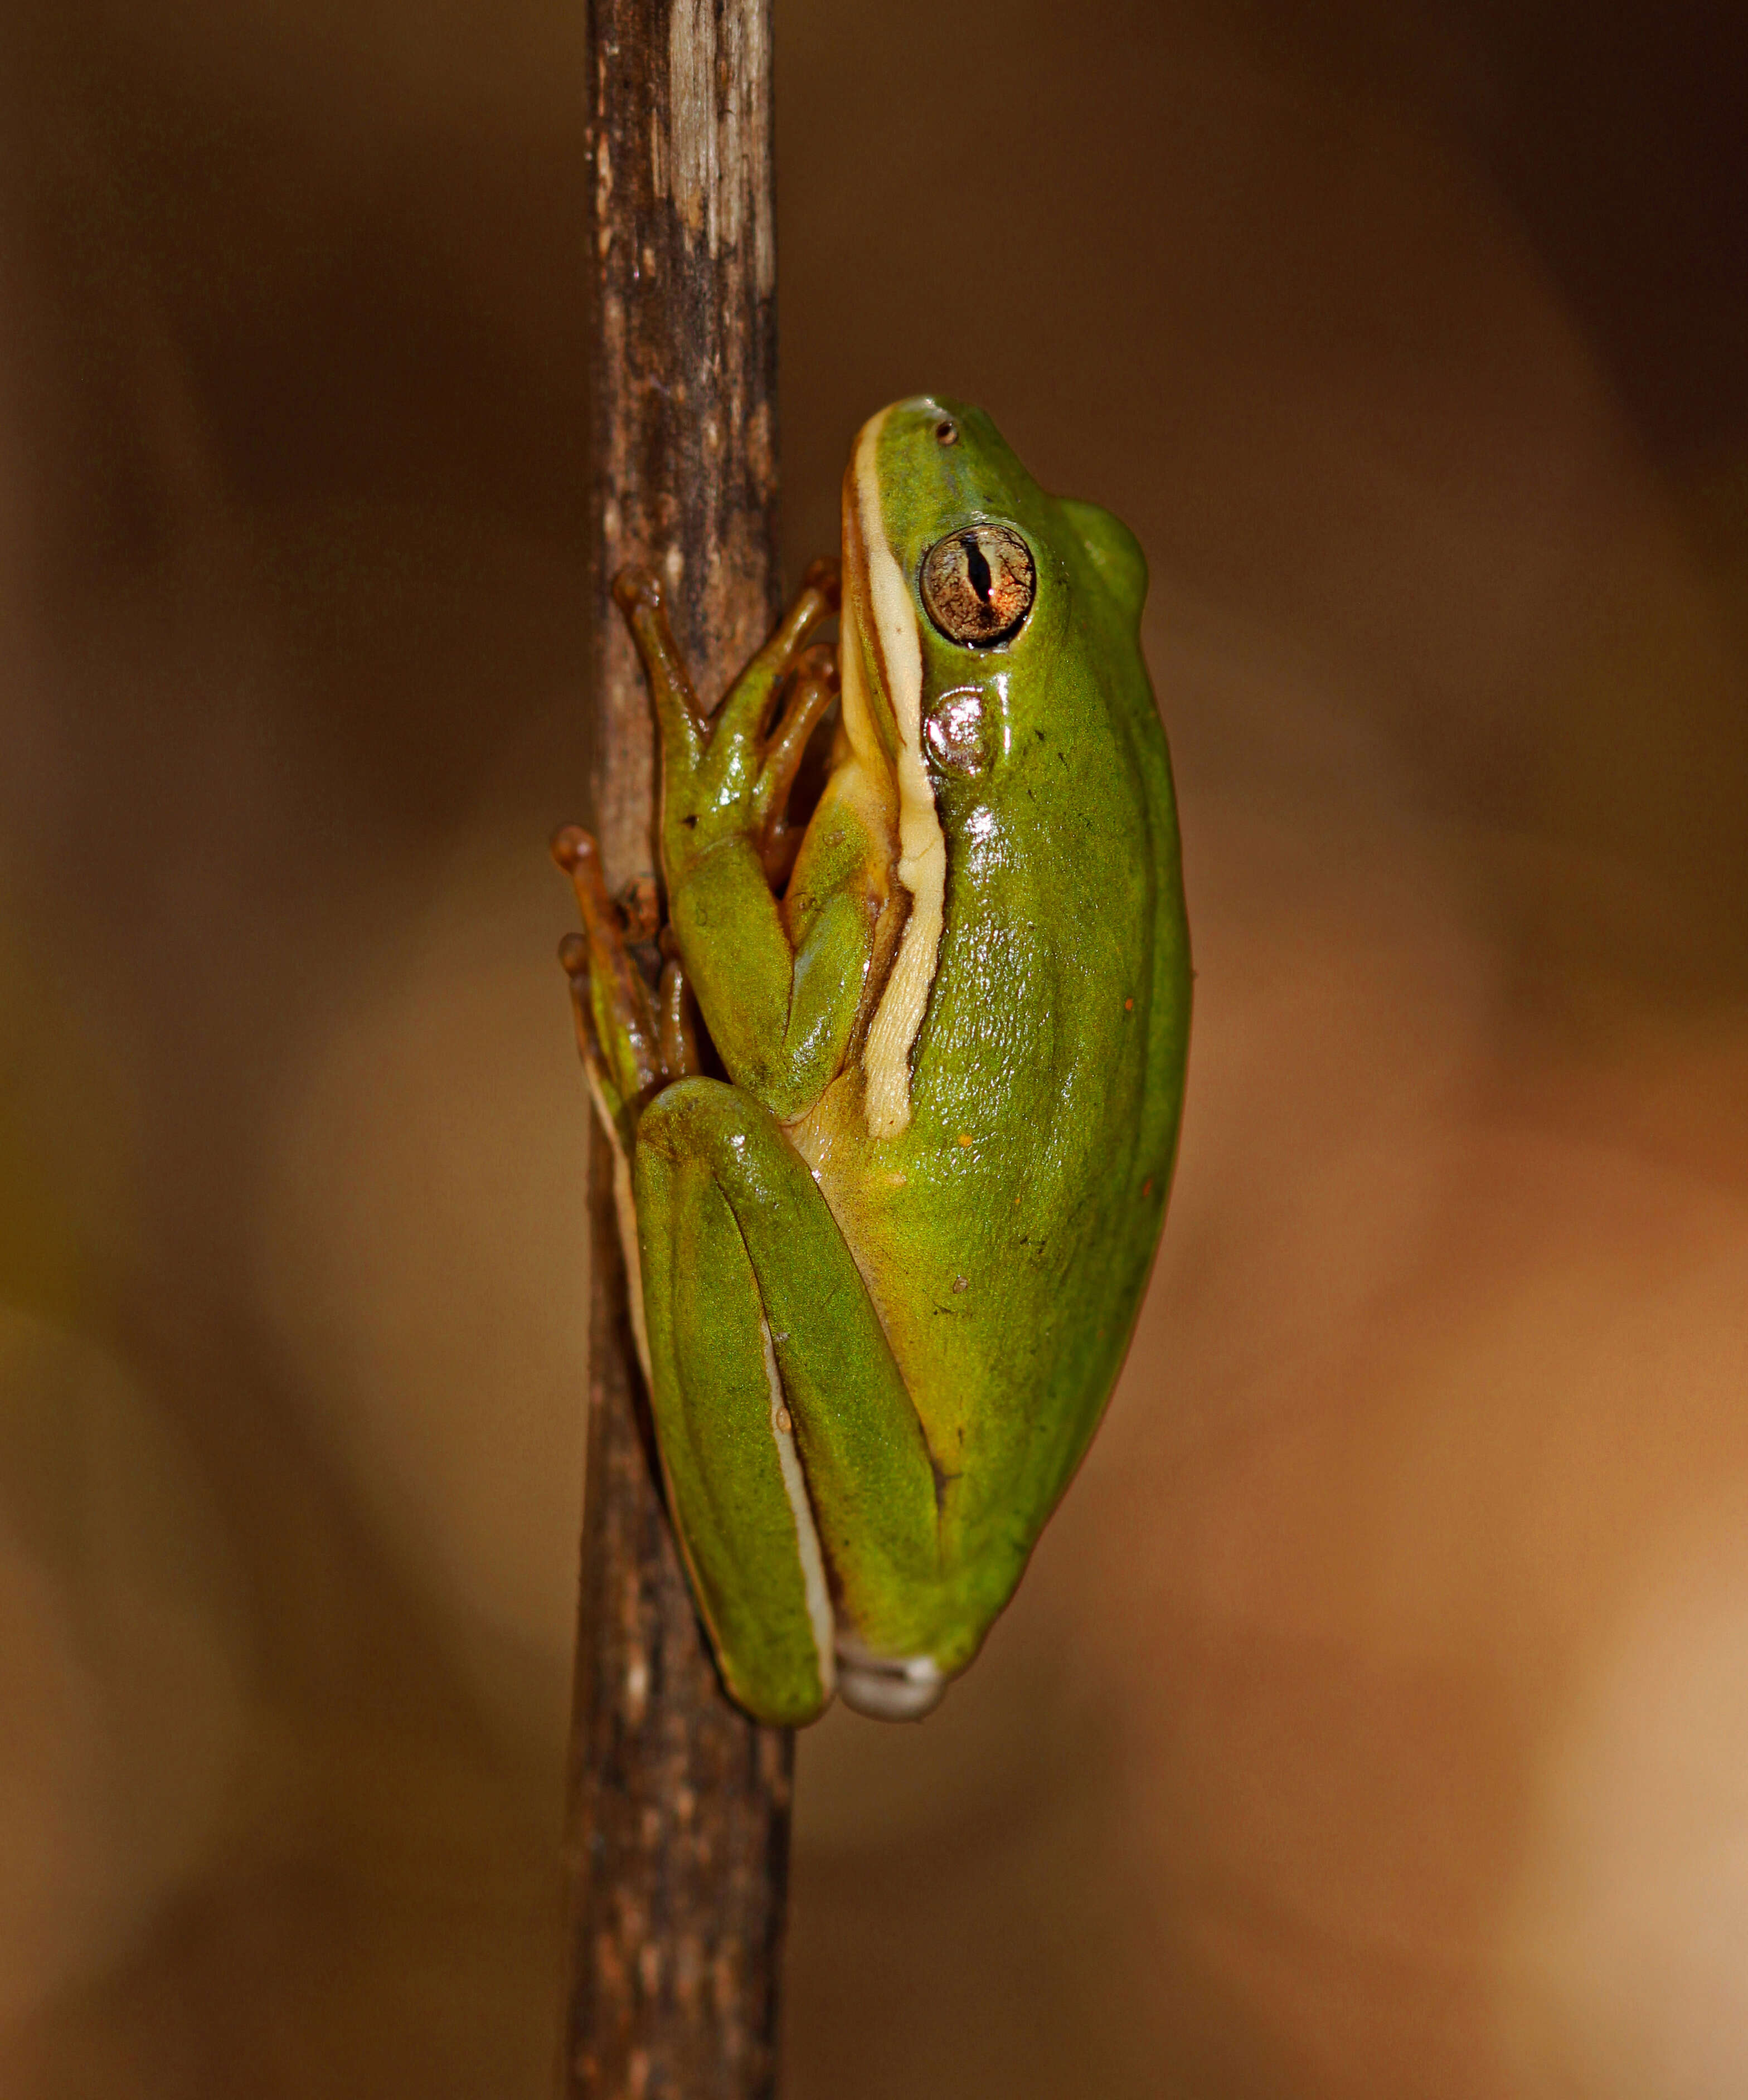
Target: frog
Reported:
point(895, 1125)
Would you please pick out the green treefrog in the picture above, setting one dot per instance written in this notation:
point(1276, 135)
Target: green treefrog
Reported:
point(884, 1269)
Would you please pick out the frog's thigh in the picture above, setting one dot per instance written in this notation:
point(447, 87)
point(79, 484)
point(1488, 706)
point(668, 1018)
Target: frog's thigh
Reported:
point(744, 1246)
point(755, 1568)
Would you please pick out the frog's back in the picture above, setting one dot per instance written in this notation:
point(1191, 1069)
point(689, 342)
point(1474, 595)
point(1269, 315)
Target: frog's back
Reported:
point(1007, 1232)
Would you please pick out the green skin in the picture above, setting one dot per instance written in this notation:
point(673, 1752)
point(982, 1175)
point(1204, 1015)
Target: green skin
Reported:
point(948, 1297)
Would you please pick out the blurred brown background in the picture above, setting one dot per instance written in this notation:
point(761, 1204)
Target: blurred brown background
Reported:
point(1375, 1720)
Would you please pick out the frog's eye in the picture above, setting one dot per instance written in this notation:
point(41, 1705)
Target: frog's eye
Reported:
point(979, 584)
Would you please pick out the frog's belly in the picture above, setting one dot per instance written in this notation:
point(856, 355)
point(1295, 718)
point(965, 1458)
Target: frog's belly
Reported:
point(1005, 1279)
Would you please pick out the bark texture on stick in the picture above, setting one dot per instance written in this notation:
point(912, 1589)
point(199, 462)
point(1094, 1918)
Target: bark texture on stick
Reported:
point(678, 1827)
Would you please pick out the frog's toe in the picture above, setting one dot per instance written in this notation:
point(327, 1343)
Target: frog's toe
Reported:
point(888, 1687)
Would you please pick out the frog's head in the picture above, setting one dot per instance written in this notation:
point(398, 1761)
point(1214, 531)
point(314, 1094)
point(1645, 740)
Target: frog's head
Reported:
point(967, 591)
point(981, 621)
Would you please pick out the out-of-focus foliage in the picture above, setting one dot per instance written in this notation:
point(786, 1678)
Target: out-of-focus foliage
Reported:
point(1371, 1721)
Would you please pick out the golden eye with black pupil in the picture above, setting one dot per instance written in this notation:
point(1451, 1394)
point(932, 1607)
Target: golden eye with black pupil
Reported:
point(947, 431)
point(979, 584)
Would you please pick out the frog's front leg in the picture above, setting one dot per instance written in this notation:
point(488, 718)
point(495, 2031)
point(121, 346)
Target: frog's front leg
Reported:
point(780, 991)
point(797, 1474)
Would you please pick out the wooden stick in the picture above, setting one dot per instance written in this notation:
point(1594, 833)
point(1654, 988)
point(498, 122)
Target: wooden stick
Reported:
point(678, 1807)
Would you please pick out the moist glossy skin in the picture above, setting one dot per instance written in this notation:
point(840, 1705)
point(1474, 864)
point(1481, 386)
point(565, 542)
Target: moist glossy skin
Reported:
point(889, 1269)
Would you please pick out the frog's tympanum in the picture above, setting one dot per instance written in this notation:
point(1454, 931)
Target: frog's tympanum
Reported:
point(885, 1267)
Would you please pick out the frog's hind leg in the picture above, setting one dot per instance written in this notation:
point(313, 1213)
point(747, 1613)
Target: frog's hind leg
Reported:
point(616, 1030)
point(728, 1455)
point(617, 1035)
point(801, 1483)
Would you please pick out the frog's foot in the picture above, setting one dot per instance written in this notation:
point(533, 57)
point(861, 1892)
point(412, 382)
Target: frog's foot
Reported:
point(811, 689)
point(888, 1687)
point(617, 1031)
point(723, 776)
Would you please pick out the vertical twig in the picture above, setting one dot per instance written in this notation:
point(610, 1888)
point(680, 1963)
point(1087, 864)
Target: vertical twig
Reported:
point(678, 1826)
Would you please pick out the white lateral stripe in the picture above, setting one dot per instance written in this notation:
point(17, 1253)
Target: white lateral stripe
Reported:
point(922, 851)
point(806, 1536)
